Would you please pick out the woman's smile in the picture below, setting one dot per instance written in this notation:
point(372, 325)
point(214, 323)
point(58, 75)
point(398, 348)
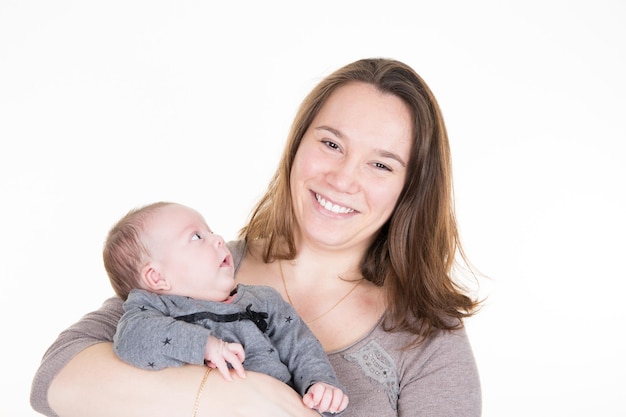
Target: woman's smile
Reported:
point(333, 207)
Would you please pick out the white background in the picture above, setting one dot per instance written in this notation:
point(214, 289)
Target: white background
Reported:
point(108, 105)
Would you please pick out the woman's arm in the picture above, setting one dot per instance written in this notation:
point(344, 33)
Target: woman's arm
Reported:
point(95, 327)
point(81, 376)
point(95, 383)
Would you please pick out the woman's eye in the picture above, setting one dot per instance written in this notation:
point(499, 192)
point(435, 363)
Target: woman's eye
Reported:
point(196, 236)
point(330, 144)
point(382, 166)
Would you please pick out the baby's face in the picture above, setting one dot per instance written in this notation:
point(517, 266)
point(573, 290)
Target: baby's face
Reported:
point(195, 261)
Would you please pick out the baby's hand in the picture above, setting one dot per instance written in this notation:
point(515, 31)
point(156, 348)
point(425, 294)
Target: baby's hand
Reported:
point(218, 352)
point(325, 398)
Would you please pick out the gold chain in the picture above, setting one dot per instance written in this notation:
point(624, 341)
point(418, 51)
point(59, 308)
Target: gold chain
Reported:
point(282, 277)
point(200, 389)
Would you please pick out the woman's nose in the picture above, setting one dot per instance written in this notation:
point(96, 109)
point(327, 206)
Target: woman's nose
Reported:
point(344, 177)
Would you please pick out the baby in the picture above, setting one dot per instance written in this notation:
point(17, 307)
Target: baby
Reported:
point(182, 305)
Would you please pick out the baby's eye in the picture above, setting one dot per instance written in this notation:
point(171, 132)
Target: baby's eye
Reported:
point(196, 236)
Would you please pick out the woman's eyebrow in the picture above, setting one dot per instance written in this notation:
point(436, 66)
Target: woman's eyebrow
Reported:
point(331, 130)
point(383, 153)
point(391, 155)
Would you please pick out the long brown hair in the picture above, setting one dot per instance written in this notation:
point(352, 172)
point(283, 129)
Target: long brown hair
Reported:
point(413, 253)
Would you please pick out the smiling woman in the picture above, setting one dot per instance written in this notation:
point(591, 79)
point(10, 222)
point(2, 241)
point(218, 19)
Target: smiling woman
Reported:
point(357, 232)
point(352, 160)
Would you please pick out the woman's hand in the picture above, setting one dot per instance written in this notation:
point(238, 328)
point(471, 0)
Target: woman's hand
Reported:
point(95, 383)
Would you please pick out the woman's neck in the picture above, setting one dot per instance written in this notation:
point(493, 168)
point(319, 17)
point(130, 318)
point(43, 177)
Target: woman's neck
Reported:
point(325, 288)
point(330, 261)
point(329, 267)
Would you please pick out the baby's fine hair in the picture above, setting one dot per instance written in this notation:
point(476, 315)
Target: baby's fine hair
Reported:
point(124, 252)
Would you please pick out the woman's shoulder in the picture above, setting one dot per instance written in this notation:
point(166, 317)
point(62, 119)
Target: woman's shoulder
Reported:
point(110, 311)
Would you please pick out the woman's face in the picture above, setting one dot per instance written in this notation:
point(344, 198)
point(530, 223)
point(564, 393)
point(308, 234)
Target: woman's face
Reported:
point(350, 167)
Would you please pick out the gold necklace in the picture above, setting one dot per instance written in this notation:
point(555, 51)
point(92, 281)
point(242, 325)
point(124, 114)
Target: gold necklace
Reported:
point(282, 277)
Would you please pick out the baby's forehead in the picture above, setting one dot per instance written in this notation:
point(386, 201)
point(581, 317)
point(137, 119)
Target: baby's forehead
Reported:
point(180, 210)
point(176, 216)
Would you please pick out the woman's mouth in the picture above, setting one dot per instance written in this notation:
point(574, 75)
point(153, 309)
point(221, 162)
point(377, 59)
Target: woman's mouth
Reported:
point(335, 208)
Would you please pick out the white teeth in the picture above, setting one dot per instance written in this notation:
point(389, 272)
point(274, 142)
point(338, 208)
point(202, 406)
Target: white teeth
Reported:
point(332, 207)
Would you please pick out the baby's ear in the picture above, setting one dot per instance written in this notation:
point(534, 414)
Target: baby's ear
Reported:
point(154, 280)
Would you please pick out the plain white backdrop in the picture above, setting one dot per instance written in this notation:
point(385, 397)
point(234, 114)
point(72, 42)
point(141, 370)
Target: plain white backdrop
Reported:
point(109, 105)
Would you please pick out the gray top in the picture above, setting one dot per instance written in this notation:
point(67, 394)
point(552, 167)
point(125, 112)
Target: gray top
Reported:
point(157, 331)
point(437, 378)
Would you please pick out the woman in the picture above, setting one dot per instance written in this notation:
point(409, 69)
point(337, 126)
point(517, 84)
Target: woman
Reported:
point(357, 232)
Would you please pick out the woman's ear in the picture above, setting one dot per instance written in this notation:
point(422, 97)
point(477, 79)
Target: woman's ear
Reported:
point(154, 280)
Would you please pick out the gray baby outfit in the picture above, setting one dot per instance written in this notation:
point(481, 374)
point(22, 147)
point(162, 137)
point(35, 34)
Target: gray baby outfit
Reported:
point(158, 331)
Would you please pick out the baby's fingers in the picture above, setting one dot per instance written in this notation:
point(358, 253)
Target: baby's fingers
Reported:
point(325, 398)
point(237, 350)
point(235, 355)
point(221, 366)
point(339, 403)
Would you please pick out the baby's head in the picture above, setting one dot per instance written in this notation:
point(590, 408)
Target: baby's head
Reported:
point(168, 248)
